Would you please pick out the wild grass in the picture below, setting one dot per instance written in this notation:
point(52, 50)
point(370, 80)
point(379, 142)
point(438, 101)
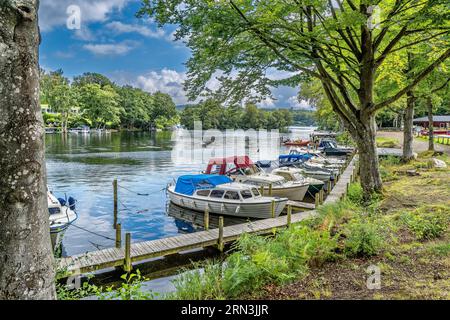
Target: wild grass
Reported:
point(383, 142)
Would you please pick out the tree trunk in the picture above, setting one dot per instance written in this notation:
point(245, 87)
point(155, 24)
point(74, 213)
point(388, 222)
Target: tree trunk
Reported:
point(26, 257)
point(408, 137)
point(368, 157)
point(430, 125)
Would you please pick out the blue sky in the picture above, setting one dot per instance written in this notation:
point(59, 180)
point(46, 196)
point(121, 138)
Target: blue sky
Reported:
point(112, 41)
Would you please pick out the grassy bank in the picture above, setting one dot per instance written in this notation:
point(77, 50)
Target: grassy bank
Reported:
point(403, 232)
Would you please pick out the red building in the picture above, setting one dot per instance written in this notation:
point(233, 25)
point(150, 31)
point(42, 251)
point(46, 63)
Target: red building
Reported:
point(439, 122)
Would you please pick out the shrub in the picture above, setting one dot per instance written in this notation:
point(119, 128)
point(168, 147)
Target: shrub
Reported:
point(427, 223)
point(201, 284)
point(362, 239)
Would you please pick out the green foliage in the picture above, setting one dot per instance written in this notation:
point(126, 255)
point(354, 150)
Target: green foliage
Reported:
point(363, 238)
point(214, 115)
point(428, 222)
point(104, 104)
point(200, 284)
point(64, 292)
point(256, 262)
point(131, 289)
point(387, 142)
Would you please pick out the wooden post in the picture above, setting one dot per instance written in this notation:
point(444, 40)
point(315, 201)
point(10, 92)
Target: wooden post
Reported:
point(127, 265)
point(270, 190)
point(346, 190)
point(115, 203)
point(321, 196)
point(272, 209)
point(221, 244)
point(261, 190)
point(289, 215)
point(206, 218)
point(329, 186)
point(118, 235)
point(316, 199)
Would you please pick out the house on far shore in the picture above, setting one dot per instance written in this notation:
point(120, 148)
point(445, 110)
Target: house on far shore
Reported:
point(442, 122)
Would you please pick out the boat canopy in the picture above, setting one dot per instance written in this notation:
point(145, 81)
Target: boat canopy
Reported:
point(188, 184)
point(233, 163)
point(295, 157)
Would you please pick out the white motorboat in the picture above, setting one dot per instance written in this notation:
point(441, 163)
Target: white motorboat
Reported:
point(61, 216)
point(223, 196)
point(293, 190)
point(295, 174)
point(243, 170)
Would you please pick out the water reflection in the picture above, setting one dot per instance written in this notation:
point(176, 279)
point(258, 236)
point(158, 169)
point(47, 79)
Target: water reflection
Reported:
point(84, 166)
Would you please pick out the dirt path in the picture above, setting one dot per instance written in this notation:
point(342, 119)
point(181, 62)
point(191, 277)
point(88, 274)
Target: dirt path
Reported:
point(418, 145)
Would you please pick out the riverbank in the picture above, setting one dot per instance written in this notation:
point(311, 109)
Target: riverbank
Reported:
point(403, 234)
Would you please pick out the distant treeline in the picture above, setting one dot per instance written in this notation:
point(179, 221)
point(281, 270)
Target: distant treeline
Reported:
point(94, 100)
point(214, 115)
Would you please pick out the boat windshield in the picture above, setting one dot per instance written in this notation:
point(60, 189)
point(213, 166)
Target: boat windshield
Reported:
point(246, 194)
point(203, 193)
point(232, 195)
point(217, 193)
point(256, 192)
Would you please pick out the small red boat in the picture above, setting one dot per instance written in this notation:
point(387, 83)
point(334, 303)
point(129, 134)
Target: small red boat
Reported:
point(297, 143)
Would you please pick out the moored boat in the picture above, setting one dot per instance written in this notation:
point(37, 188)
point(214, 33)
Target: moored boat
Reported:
point(243, 170)
point(295, 174)
point(223, 196)
point(61, 215)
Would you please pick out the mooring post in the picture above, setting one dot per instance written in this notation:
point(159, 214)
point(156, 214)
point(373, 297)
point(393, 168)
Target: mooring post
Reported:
point(270, 190)
point(221, 244)
point(206, 218)
point(261, 190)
point(115, 203)
point(118, 235)
point(289, 215)
point(321, 196)
point(272, 209)
point(127, 266)
point(316, 199)
point(329, 187)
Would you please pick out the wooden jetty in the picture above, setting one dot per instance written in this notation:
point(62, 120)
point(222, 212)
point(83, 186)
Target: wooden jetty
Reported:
point(134, 252)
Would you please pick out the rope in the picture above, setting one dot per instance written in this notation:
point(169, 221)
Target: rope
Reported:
point(94, 233)
point(138, 193)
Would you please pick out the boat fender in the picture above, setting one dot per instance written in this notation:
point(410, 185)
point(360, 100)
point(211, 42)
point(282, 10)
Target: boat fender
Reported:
point(62, 201)
point(72, 202)
point(238, 209)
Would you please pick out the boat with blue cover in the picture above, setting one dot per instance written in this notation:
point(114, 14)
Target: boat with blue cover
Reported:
point(222, 196)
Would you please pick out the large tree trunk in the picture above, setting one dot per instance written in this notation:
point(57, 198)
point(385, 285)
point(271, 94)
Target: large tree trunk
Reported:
point(408, 137)
point(368, 157)
point(430, 125)
point(26, 257)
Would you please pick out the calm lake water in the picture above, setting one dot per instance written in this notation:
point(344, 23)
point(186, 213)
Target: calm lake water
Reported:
point(84, 166)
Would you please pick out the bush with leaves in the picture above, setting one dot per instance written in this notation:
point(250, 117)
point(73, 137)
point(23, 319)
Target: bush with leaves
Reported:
point(362, 238)
point(428, 222)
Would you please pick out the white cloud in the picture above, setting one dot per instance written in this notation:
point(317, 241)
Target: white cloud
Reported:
point(111, 49)
point(145, 31)
point(52, 13)
point(166, 81)
point(296, 104)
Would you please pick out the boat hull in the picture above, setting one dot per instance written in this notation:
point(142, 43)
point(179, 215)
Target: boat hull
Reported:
point(259, 210)
point(295, 193)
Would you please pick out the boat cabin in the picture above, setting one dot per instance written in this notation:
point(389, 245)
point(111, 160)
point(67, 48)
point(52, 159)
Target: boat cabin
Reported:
point(235, 191)
point(231, 165)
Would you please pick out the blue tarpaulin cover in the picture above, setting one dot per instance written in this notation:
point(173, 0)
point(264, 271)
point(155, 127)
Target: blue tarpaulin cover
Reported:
point(188, 184)
point(295, 157)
